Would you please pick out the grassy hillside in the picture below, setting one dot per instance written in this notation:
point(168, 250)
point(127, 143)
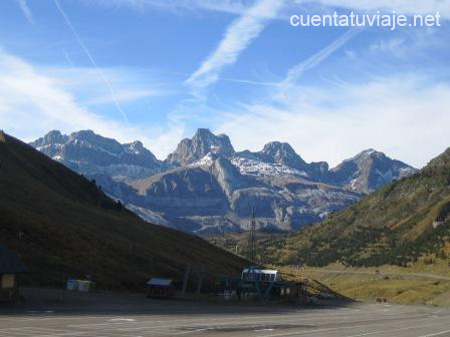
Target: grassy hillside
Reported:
point(391, 226)
point(63, 225)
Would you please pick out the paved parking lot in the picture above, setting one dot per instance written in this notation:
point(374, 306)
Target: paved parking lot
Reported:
point(135, 316)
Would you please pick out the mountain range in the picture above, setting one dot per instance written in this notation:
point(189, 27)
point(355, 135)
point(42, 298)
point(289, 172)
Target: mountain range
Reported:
point(399, 224)
point(205, 186)
point(63, 225)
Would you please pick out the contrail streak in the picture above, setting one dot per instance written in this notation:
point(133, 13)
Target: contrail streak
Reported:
point(26, 10)
point(297, 71)
point(238, 37)
point(91, 58)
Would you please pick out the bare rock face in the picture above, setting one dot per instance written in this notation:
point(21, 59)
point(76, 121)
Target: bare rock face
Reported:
point(228, 176)
point(203, 142)
point(204, 186)
point(216, 193)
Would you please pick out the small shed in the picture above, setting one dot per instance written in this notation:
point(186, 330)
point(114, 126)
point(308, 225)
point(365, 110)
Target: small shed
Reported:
point(160, 287)
point(80, 285)
point(10, 267)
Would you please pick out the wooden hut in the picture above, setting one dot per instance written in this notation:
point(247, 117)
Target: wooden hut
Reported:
point(160, 288)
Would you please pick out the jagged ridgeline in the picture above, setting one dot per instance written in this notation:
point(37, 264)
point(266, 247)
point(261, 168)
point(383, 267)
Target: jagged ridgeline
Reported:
point(63, 225)
point(205, 186)
point(398, 224)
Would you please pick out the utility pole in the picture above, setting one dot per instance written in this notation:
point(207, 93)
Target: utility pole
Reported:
point(186, 278)
point(200, 280)
point(252, 236)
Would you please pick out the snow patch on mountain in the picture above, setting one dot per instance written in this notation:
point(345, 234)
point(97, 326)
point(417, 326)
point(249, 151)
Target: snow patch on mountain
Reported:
point(253, 167)
point(206, 161)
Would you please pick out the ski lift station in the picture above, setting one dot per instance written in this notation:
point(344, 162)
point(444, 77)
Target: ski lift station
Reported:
point(268, 283)
point(261, 282)
point(253, 274)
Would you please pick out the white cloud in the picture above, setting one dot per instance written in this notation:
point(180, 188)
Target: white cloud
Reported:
point(130, 84)
point(235, 7)
point(403, 114)
point(238, 36)
point(238, 7)
point(406, 116)
point(26, 10)
point(32, 103)
point(407, 7)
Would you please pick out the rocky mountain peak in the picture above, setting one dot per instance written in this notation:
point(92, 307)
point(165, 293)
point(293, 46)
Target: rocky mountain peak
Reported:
point(87, 138)
point(368, 171)
point(85, 134)
point(89, 153)
point(203, 142)
point(53, 137)
point(204, 185)
point(282, 153)
point(278, 147)
point(203, 133)
point(370, 153)
point(136, 146)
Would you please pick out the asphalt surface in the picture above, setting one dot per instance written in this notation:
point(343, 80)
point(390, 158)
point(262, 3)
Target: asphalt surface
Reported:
point(134, 315)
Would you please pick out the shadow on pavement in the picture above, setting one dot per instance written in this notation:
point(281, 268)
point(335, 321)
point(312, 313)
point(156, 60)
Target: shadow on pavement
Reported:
point(40, 301)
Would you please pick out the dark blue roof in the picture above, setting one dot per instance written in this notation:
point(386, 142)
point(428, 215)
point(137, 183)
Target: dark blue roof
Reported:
point(10, 263)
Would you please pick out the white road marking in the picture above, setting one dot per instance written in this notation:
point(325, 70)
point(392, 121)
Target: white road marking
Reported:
point(366, 321)
point(436, 334)
point(193, 331)
point(391, 330)
point(337, 328)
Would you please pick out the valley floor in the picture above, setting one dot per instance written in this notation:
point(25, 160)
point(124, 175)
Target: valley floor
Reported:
point(419, 284)
point(108, 315)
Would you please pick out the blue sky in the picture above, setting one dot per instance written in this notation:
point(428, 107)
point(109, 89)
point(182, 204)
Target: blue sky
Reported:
point(158, 70)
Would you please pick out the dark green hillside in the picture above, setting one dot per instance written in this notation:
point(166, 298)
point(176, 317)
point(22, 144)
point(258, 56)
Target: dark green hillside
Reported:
point(391, 226)
point(63, 225)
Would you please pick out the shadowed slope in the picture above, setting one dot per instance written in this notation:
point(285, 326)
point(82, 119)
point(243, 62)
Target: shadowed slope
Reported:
point(63, 225)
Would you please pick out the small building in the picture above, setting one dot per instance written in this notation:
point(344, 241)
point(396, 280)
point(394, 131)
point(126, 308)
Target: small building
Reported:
point(10, 267)
point(80, 285)
point(258, 282)
point(160, 288)
point(255, 273)
point(290, 290)
point(265, 284)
